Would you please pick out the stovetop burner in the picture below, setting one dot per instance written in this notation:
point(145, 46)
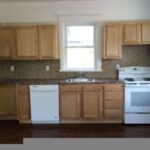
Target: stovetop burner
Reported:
point(147, 79)
point(129, 79)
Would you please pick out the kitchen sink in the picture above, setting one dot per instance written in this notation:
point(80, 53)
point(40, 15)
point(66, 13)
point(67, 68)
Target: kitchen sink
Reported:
point(80, 79)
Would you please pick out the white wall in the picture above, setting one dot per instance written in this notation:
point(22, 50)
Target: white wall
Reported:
point(48, 11)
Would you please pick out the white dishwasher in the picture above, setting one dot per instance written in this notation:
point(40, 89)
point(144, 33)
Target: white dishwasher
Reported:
point(44, 101)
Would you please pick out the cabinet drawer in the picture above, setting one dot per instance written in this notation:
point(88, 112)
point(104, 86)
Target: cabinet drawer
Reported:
point(69, 87)
point(113, 87)
point(113, 104)
point(113, 113)
point(113, 95)
point(92, 87)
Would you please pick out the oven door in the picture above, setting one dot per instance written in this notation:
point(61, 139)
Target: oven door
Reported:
point(137, 99)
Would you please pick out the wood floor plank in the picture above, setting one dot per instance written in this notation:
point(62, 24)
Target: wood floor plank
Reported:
point(11, 132)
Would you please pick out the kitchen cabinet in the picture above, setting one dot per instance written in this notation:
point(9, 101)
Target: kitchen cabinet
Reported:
point(92, 101)
point(70, 101)
point(146, 33)
point(23, 103)
point(27, 42)
point(7, 42)
point(8, 105)
point(137, 33)
point(113, 101)
point(131, 33)
point(47, 41)
point(81, 103)
point(113, 35)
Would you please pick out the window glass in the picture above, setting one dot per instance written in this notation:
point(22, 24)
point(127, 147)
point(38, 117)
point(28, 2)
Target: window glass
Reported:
point(79, 48)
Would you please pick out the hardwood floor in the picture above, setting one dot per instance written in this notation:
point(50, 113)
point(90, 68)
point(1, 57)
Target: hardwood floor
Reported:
point(11, 132)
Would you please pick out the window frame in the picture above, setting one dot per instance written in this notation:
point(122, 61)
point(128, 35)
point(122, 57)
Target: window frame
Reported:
point(63, 47)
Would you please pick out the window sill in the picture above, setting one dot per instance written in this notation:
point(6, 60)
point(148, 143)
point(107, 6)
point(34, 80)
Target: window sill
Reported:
point(80, 70)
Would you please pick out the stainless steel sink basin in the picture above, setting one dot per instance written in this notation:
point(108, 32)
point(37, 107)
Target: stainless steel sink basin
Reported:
point(80, 79)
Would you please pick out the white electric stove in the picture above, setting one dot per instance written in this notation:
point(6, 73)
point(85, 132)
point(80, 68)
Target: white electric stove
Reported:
point(137, 94)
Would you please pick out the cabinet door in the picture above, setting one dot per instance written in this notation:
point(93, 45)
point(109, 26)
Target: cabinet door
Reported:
point(112, 41)
point(131, 33)
point(47, 41)
point(27, 46)
point(92, 105)
point(23, 103)
point(8, 107)
point(146, 33)
point(70, 105)
point(7, 43)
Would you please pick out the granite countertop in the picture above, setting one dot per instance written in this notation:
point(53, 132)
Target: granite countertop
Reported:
point(57, 81)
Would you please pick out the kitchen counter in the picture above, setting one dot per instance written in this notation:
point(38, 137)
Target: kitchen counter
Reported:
point(56, 81)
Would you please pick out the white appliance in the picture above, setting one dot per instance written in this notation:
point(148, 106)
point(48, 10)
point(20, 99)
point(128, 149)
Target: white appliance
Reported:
point(137, 94)
point(44, 101)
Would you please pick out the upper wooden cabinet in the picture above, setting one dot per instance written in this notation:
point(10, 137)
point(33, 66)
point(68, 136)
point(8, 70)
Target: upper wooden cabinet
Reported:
point(112, 41)
point(137, 33)
point(27, 44)
point(146, 33)
point(131, 33)
point(7, 43)
point(47, 41)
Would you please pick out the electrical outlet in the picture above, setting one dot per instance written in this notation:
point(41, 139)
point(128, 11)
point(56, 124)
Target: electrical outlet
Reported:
point(47, 67)
point(117, 66)
point(12, 68)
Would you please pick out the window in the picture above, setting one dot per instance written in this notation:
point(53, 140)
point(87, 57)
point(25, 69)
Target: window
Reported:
point(80, 48)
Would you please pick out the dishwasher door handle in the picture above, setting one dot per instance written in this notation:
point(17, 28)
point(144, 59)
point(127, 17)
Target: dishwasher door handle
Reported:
point(43, 91)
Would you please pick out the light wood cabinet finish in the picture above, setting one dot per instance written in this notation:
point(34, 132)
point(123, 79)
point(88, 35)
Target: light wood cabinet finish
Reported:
point(70, 105)
point(113, 87)
point(113, 113)
point(27, 44)
point(70, 101)
point(71, 88)
point(113, 101)
point(112, 41)
point(136, 33)
point(8, 106)
point(81, 101)
point(47, 41)
point(92, 105)
point(23, 103)
point(7, 43)
point(146, 33)
point(131, 33)
point(113, 95)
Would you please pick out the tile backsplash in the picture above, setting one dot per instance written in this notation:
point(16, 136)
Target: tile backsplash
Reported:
point(133, 55)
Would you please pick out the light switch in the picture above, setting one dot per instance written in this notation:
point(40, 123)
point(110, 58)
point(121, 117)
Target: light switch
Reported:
point(47, 67)
point(12, 68)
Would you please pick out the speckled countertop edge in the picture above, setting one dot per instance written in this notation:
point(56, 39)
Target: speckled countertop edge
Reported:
point(56, 81)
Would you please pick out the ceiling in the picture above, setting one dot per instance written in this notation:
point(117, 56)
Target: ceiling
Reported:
point(42, 0)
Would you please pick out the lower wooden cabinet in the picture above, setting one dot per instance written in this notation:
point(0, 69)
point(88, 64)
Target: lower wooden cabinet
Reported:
point(113, 101)
point(8, 106)
point(23, 103)
point(70, 105)
point(80, 103)
point(91, 103)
